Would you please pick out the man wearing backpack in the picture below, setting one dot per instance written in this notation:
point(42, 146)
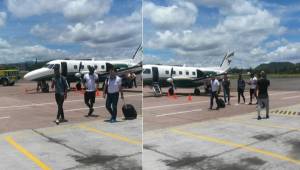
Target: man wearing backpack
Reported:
point(61, 88)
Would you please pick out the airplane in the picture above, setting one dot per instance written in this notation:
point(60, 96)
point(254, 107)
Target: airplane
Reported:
point(74, 70)
point(159, 76)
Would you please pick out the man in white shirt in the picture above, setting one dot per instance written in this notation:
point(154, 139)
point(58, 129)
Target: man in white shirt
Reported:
point(252, 83)
point(90, 83)
point(214, 92)
point(112, 88)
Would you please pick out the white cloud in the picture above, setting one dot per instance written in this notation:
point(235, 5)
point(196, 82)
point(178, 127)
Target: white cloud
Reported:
point(73, 10)
point(109, 33)
point(3, 17)
point(179, 14)
point(243, 27)
point(289, 52)
point(13, 54)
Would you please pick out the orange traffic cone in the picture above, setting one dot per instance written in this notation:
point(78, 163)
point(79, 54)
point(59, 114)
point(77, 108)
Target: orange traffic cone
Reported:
point(97, 93)
point(189, 98)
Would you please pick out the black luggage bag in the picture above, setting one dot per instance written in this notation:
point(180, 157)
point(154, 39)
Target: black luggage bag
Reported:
point(221, 103)
point(129, 111)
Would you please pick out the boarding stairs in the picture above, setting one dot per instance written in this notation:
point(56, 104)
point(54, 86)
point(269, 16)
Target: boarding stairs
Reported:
point(156, 89)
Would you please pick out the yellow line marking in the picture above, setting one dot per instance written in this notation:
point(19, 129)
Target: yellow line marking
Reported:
point(236, 145)
point(29, 155)
point(112, 135)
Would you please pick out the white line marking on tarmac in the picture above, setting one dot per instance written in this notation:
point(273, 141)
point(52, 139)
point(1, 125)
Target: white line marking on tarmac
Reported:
point(85, 108)
point(6, 117)
point(50, 103)
point(292, 97)
point(170, 105)
point(174, 113)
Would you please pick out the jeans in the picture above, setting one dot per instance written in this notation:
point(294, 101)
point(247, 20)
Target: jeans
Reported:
point(241, 93)
point(213, 95)
point(252, 92)
point(226, 94)
point(60, 101)
point(89, 98)
point(263, 102)
point(112, 103)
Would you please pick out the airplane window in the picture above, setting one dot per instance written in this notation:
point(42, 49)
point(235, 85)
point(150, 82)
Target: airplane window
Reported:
point(95, 66)
point(82, 67)
point(167, 72)
point(174, 72)
point(194, 73)
point(102, 67)
point(50, 66)
point(75, 67)
point(180, 72)
point(187, 73)
point(147, 71)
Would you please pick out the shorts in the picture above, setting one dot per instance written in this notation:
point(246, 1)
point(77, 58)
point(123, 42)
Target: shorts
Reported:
point(89, 96)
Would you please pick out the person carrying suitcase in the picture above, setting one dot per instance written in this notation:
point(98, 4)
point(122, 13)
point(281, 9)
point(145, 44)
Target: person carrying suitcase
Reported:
point(214, 92)
point(61, 88)
point(112, 88)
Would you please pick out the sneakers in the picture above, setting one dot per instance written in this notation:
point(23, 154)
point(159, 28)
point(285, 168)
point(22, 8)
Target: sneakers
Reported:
point(91, 111)
point(57, 121)
point(63, 120)
point(258, 118)
point(267, 117)
point(113, 120)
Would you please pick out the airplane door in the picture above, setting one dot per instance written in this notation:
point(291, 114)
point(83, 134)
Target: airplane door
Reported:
point(109, 67)
point(200, 74)
point(155, 74)
point(64, 69)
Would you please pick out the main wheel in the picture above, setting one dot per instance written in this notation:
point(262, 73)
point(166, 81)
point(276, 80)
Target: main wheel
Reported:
point(196, 91)
point(5, 82)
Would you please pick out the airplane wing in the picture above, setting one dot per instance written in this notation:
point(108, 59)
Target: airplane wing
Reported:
point(137, 69)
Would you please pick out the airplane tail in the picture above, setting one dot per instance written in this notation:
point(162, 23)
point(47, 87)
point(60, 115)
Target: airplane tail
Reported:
point(138, 55)
point(226, 61)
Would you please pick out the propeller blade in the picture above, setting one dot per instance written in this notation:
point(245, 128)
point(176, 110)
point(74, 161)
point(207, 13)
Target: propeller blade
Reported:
point(172, 72)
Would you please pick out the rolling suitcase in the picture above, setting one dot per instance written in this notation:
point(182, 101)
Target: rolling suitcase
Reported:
point(221, 103)
point(129, 111)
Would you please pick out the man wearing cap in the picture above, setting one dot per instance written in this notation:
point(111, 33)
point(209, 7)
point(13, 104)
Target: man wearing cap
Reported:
point(90, 83)
point(112, 88)
point(263, 97)
point(61, 88)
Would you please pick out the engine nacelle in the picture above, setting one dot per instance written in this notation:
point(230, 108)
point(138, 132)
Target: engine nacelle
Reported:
point(170, 80)
point(78, 75)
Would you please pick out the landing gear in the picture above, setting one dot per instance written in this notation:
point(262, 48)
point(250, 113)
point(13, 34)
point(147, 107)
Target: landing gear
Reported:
point(171, 91)
point(78, 86)
point(5, 82)
point(197, 91)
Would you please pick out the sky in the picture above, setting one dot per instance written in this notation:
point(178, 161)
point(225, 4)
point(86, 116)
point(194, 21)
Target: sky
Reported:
point(201, 32)
point(59, 29)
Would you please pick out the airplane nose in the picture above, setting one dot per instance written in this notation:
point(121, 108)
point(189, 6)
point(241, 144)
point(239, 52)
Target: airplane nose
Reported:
point(28, 76)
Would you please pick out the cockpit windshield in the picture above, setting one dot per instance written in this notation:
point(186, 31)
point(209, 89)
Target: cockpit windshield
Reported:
point(50, 66)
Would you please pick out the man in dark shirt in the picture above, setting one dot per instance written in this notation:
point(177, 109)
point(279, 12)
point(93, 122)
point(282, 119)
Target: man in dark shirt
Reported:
point(263, 97)
point(61, 87)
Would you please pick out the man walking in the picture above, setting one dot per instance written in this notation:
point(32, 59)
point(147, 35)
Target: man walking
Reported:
point(61, 87)
point(241, 88)
point(214, 92)
point(112, 88)
point(226, 89)
point(263, 97)
point(90, 83)
point(252, 83)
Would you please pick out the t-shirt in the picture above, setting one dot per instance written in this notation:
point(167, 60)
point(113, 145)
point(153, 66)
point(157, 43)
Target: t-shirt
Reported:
point(263, 85)
point(241, 84)
point(60, 84)
point(253, 82)
point(114, 84)
point(90, 82)
point(226, 83)
point(214, 85)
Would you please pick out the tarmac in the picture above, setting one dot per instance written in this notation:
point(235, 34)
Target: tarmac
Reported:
point(30, 139)
point(182, 133)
